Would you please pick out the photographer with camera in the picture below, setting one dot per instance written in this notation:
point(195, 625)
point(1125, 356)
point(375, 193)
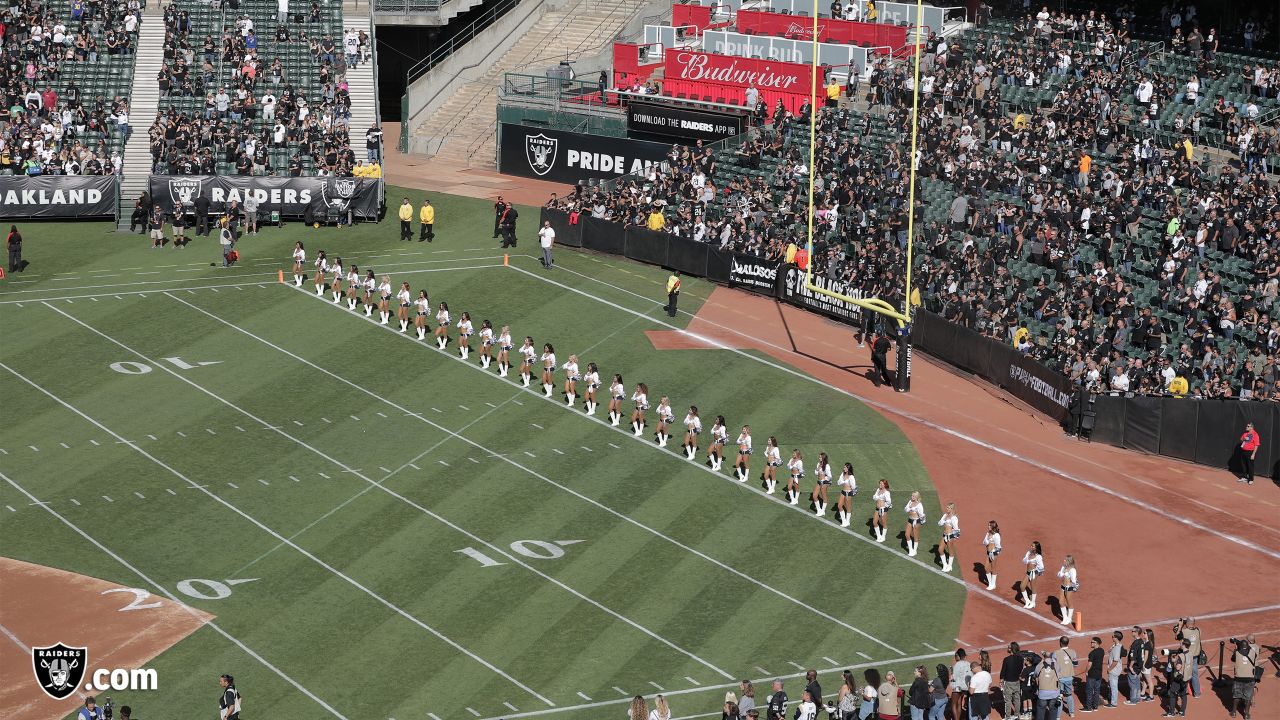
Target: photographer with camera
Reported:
point(1185, 629)
point(1174, 663)
point(1247, 674)
point(1048, 689)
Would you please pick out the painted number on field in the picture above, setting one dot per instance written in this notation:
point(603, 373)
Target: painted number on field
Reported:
point(202, 589)
point(535, 549)
point(139, 598)
point(129, 367)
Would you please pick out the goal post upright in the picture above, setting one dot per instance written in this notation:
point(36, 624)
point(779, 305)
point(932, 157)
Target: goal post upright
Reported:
point(902, 316)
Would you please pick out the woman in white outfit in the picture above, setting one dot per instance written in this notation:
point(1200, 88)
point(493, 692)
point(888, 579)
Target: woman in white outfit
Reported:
point(772, 459)
point(719, 436)
point(504, 351)
point(795, 468)
point(915, 518)
point(848, 488)
point(991, 543)
point(950, 522)
point(443, 321)
point(692, 428)
point(548, 359)
point(617, 393)
point(1070, 585)
point(384, 300)
point(592, 379)
point(299, 263)
point(404, 298)
point(822, 481)
point(571, 377)
point(527, 354)
point(1033, 560)
point(740, 466)
point(465, 330)
point(665, 418)
point(641, 398)
point(486, 343)
point(322, 267)
point(883, 502)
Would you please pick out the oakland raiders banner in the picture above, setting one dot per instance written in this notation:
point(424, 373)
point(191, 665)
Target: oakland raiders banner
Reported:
point(57, 196)
point(653, 119)
point(748, 272)
point(290, 196)
point(572, 157)
point(793, 290)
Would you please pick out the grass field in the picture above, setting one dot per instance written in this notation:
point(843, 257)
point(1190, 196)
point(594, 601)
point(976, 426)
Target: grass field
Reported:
point(422, 538)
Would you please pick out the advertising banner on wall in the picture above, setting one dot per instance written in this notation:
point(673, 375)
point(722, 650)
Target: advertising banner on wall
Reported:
point(752, 273)
point(572, 157)
point(290, 196)
point(682, 123)
point(57, 196)
point(793, 290)
point(694, 66)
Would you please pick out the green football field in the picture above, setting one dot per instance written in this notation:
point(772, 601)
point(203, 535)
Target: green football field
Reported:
point(420, 538)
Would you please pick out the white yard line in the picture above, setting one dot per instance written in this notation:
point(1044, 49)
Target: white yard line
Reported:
point(191, 483)
point(438, 518)
point(534, 473)
point(164, 591)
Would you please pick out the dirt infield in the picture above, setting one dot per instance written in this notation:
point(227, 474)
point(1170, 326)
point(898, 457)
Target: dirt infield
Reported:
point(1154, 538)
point(42, 606)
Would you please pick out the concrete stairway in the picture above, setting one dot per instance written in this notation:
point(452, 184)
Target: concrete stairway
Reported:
point(463, 129)
point(144, 98)
point(360, 84)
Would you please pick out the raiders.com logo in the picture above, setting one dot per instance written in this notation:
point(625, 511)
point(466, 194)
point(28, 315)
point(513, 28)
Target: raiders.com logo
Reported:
point(59, 669)
point(540, 151)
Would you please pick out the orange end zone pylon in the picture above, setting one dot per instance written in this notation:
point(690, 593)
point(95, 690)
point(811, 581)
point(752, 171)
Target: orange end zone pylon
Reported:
point(281, 276)
point(504, 261)
point(1079, 620)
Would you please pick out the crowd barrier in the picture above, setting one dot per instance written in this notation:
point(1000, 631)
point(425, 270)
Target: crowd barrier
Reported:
point(58, 197)
point(295, 197)
point(1201, 431)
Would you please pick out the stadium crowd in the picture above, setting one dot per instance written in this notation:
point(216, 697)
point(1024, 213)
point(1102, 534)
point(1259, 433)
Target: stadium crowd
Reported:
point(47, 132)
point(1084, 225)
point(252, 107)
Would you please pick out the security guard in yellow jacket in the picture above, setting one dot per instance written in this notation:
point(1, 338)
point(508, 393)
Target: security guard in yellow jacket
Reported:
point(427, 216)
point(406, 220)
point(673, 293)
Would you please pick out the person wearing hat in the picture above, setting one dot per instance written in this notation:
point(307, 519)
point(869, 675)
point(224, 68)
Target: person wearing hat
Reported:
point(406, 220)
point(1247, 452)
point(673, 293)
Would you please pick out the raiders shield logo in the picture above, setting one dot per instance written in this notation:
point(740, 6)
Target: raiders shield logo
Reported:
point(541, 152)
point(59, 669)
point(183, 189)
point(338, 193)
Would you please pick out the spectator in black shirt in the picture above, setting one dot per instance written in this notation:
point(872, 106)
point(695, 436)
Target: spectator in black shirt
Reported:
point(813, 688)
point(777, 707)
point(1010, 681)
point(1093, 676)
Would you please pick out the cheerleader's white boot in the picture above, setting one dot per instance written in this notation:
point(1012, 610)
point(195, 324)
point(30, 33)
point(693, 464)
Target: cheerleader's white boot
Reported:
point(591, 408)
point(1067, 615)
point(662, 439)
point(368, 311)
point(337, 297)
point(1031, 603)
point(844, 519)
point(770, 486)
point(614, 419)
point(404, 326)
point(351, 304)
point(569, 399)
point(880, 535)
point(385, 316)
point(484, 362)
point(464, 352)
point(524, 379)
point(794, 497)
point(502, 369)
point(546, 389)
point(991, 582)
point(422, 333)
point(319, 291)
point(297, 281)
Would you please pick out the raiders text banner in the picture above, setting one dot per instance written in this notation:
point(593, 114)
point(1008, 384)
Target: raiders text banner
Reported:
point(290, 196)
point(571, 157)
point(58, 196)
point(645, 118)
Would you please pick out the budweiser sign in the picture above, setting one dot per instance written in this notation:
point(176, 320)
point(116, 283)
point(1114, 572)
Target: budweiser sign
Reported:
point(740, 72)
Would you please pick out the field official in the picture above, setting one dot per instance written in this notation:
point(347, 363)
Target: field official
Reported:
point(498, 208)
point(427, 216)
point(406, 220)
point(673, 293)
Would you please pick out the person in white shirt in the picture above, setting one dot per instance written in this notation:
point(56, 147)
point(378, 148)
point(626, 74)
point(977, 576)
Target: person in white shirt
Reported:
point(465, 330)
point(979, 692)
point(527, 354)
point(403, 299)
point(692, 428)
point(571, 378)
point(268, 107)
point(883, 502)
point(548, 359)
point(1192, 92)
point(1033, 560)
point(950, 522)
point(546, 238)
point(1070, 584)
point(322, 267)
point(848, 488)
point(740, 466)
point(443, 322)
point(486, 344)
point(617, 393)
point(641, 399)
point(807, 710)
point(915, 518)
point(665, 418)
point(1120, 383)
point(772, 459)
point(795, 469)
point(422, 306)
point(821, 481)
point(719, 436)
point(592, 379)
point(282, 12)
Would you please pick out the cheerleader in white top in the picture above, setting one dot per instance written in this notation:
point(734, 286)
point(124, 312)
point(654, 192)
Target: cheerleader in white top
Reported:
point(692, 429)
point(950, 523)
point(772, 459)
point(369, 292)
point(443, 321)
point(641, 398)
point(821, 481)
point(504, 351)
point(848, 488)
point(991, 543)
point(571, 377)
point(1070, 584)
point(322, 267)
point(336, 287)
point(465, 330)
point(1033, 560)
point(665, 418)
point(422, 305)
point(486, 343)
point(404, 298)
point(548, 360)
point(915, 518)
point(354, 286)
point(719, 436)
point(617, 393)
point(299, 263)
point(883, 501)
point(795, 472)
point(384, 299)
point(592, 382)
point(527, 353)
point(741, 467)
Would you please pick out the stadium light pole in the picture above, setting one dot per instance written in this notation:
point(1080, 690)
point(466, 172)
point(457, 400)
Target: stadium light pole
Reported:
point(903, 316)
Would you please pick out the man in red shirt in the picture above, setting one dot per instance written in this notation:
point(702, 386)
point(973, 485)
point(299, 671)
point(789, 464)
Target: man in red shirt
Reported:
point(1248, 451)
point(50, 99)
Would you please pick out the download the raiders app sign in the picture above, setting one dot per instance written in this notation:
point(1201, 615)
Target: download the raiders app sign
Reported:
point(573, 157)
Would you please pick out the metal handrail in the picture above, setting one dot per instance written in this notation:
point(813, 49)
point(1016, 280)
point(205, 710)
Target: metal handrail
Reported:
point(463, 36)
point(386, 6)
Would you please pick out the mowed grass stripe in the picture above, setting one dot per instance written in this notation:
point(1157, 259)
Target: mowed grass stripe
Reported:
point(457, 528)
point(755, 369)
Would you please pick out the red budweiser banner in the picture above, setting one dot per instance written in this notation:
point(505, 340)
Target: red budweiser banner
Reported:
point(700, 67)
point(835, 31)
